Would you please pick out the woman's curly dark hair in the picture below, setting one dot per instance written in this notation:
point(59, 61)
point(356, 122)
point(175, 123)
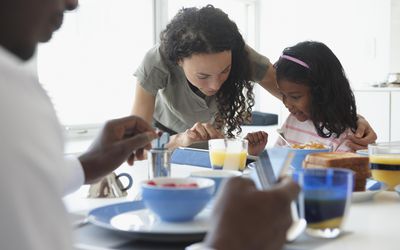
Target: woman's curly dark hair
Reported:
point(333, 108)
point(209, 30)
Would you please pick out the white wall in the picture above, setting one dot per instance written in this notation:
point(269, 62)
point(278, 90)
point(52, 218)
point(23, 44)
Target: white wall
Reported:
point(395, 37)
point(357, 31)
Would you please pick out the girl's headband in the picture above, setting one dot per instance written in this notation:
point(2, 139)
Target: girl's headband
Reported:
point(295, 60)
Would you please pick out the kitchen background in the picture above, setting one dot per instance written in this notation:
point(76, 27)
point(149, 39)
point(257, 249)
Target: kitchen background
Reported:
point(88, 67)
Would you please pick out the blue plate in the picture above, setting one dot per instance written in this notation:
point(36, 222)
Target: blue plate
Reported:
point(363, 152)
point(133, 218)
point(372, 187)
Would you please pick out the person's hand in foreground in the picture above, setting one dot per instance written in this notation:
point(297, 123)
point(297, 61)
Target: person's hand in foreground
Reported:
point(247, 218)
point(363, 136)
point(257, 142)
point(198, 133)
point(120, 140)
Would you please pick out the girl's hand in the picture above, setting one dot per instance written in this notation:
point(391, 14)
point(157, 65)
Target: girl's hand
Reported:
point(257, 142)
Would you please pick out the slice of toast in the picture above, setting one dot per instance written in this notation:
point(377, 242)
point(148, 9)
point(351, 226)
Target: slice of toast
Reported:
point(361, 171)
point(356, 163)
point(337, 158)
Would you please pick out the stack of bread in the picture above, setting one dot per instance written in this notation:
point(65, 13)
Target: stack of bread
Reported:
point(358, 164)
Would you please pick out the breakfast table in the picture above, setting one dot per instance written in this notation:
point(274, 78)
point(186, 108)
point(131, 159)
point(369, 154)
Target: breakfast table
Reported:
point(371, 224)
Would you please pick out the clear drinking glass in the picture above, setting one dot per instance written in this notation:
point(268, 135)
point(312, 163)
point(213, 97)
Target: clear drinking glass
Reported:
point(325, 199)
point(229, 154)
point(384, 161)
point(159, 160)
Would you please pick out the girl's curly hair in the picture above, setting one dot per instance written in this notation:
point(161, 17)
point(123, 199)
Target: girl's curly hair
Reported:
point(209, 30)
point(333, 107)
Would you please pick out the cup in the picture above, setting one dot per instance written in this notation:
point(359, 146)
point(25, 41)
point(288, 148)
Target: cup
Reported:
point(110, 186)
point(324, 199)
point(228, 154)
point(384, 162)
point(159, 160)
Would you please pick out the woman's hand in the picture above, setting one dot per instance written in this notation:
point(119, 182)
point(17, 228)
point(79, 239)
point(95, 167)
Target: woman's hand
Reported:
point(257, 142)
point(363, 136)
point(199, 132)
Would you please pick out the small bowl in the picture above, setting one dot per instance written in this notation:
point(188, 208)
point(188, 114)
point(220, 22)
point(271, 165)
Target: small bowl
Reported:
point(181, 202)
point(300, 155)
point(217, 175)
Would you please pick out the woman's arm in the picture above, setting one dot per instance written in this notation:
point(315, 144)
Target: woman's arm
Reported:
point(143, 104)
point(363, 136)
point(269, 82)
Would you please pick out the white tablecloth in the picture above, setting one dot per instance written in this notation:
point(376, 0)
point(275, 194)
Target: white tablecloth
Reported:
point(370, 225)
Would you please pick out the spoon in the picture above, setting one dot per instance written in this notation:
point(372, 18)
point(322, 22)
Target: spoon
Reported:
point(282, 136)
point(267, 178)
point(298, 224)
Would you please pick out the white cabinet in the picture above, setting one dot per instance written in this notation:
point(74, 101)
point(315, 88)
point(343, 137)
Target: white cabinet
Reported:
point(381, 108)
point(375, 107)
point(395, 116)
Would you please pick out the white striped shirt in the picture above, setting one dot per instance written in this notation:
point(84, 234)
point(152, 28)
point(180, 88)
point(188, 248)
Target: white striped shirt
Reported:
point(297, 132)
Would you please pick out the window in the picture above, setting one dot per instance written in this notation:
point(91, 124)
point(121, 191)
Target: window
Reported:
point(88, 66)
point(242, 12)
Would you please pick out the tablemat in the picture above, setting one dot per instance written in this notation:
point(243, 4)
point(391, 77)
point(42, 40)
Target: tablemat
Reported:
point(190, 156)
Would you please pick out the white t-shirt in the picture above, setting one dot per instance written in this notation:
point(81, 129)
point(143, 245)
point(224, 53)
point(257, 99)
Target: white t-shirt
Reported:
point(297, 132)
point(33, 172)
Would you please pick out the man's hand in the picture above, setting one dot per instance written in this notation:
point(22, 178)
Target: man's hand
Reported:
point(118, 141)
point(363, 136)
point(246, 218)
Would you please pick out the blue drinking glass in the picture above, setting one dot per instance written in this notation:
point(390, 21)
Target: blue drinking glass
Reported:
point(325, 199)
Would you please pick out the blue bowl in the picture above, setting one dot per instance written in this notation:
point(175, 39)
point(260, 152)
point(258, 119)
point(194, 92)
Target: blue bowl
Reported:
point(177, 203)
point(300, 155)
point(218, 176)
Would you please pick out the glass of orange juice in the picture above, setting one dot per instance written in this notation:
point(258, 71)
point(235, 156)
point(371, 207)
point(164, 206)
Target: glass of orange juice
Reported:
point(384, 160)
point(216, 149)
point(230, 154)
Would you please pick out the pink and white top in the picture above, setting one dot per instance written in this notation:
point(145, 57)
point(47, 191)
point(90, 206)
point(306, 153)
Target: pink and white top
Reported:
point(297, 132)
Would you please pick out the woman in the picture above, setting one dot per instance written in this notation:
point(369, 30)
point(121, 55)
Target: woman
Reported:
point(197, 83)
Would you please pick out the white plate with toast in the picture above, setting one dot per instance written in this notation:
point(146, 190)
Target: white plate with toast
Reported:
point(372, 187)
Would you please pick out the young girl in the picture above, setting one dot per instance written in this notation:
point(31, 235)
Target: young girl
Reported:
point(317, 94)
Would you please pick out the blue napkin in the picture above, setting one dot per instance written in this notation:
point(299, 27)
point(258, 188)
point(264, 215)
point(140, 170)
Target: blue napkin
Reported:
point(200, 157)
point(190, 156)
point(277, 156)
